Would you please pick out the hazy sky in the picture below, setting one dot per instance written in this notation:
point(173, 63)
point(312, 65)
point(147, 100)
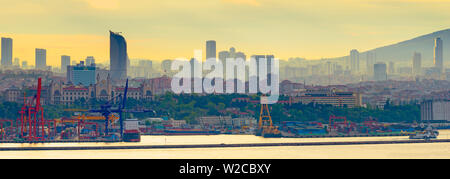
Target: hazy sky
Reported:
point(162, 29)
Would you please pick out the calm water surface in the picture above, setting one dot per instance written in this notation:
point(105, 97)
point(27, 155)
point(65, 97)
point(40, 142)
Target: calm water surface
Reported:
point(434, 150)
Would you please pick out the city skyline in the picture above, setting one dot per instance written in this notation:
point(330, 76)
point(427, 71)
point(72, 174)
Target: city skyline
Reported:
point(344, 70)
point(79, 31)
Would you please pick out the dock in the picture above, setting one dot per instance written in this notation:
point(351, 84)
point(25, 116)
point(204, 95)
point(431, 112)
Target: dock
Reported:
point(58, 141)
point(346, 135)
point(134, 147)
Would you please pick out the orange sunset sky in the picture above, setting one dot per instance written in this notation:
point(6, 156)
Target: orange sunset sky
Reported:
point(169, 29)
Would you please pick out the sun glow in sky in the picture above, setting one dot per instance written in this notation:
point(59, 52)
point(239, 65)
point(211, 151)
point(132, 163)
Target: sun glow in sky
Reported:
point(167, 29)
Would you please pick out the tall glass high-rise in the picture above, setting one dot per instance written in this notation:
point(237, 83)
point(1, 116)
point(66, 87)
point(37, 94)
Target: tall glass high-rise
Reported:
point(118, 56)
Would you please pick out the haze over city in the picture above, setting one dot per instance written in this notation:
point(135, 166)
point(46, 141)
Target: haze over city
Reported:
point(159, 30)
point(225, 79)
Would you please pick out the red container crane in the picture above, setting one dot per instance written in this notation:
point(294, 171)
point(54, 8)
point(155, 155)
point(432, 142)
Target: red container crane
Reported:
point(32, 122)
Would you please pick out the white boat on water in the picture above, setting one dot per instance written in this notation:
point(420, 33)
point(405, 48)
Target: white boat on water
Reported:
point(428, 133)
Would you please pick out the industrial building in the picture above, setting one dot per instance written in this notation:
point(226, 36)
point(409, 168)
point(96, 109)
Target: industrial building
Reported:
point(436, 112)
point(226, 122)
point(330, 96)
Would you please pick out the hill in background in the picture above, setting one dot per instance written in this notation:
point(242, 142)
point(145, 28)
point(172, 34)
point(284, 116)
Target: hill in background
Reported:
point(403, 51)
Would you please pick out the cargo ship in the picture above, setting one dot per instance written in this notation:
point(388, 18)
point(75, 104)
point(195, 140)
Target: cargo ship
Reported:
point(190, 132)
point(131, 131)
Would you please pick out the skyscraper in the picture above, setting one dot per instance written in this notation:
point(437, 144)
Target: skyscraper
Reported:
point(417, 64)
point(16, 62)
point(370, 61)
point(438, 56)
point(166, 66)
point(354, 61)
point(258, 58)
point(118, 56)
point(391, 68)
point(90, 60)
point(41, 59)
point(223, 55)
point(24, 65)
point(7, 52)
point(241, 55)
point(380, 73)
point(145, 68)
point(268, 59)
point(65, 61)
point(210, 49)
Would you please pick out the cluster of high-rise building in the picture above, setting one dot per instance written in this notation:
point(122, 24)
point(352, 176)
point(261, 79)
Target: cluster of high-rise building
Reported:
point(7, 56)
point(436, 71)
point(322, 72)
point(223, 56)
point(379, 71)
point(142, 69)
point(319, 72)
point(118, 60)
point(86, 72)
point(86, 79)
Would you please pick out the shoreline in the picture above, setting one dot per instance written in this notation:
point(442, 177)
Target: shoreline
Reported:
point(298, 136)
point(118, 141)
point(221, 145)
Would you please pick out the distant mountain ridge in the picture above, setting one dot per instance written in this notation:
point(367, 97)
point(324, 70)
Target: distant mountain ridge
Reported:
point(403, 51)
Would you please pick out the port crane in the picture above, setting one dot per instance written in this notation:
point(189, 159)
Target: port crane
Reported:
point(106, 110)
point(265, 124)
point(32, 122)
